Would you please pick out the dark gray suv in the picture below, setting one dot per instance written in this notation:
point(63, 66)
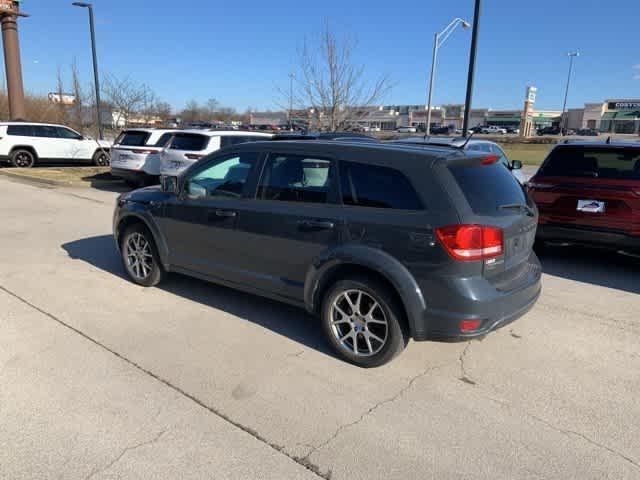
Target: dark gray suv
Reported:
point(383, 242)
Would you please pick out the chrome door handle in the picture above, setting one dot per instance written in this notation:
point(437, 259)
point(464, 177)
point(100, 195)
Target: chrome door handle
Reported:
point(226, 213)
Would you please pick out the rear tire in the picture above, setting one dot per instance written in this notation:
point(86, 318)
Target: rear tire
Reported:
point(363, 322)
point(22, 158)
point(140, 256)
point(101, 158)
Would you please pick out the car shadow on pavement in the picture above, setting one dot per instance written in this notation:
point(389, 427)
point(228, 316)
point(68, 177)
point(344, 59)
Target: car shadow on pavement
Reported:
point(606, 269)
point(291, 322)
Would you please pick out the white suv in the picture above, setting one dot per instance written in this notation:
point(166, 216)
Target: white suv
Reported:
point(25, 144)
point(189, 146)
point(135, 155)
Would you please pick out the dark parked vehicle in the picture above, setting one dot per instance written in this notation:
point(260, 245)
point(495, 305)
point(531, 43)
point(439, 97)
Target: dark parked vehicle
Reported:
point(443, 130)
point(588, 132)
point(589, 193)
point(382, 242)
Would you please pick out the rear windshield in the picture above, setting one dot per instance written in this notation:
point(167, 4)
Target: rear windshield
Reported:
point(231, 140)
point(487, 187)
point(621, 163)
point(189, 141)
point(133, 138)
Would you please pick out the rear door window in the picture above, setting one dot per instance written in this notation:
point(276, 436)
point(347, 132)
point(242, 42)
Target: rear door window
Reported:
point(379, 187)
point(622, 163)
point(296, 178)
point(133, 138)
point(487, 187)
point(45, 131)
point(189, 142)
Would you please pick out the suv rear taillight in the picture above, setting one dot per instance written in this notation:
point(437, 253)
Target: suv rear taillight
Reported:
point(471, 242)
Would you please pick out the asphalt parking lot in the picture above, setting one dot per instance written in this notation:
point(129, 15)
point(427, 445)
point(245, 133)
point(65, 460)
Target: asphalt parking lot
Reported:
point(100, 378)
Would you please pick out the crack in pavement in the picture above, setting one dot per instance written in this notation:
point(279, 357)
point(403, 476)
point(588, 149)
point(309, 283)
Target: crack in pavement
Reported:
point(464, 376)
point(304, 462)
point(155, 439)
point(372, 409)
point(569, 433)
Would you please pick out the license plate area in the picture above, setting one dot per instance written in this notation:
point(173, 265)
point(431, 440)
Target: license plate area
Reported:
point(591, 206)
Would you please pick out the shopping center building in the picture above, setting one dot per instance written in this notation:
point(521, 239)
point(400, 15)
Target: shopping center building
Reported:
point(610, 116)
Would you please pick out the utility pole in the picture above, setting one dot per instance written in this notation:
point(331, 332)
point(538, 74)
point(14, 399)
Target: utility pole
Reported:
point(472, 68)
point(571, 56)
point(9, 13)
point(96, 77)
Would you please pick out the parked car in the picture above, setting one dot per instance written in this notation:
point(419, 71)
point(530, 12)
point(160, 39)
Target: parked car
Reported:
point(513, 130)
point(24, 145)
point(188, 146)
point(588, 132)
point(406, 129)
point(493, 130)
point(135, 155)
point(472, 145)
point(589, 193)
point(443, 130)
point(383, 242)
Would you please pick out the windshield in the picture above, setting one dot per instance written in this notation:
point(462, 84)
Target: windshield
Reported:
point(133, 138)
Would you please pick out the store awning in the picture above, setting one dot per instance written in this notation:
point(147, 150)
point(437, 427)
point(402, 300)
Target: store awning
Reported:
point(609, 115)
point(513, 118)
point(632, 115)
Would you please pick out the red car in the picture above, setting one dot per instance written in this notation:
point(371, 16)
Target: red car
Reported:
point(589, 193)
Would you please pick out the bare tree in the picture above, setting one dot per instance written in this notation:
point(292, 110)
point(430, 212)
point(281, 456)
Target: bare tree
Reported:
point(77, 116)
point(332, 84)
point(126, 97)
point(192, 112)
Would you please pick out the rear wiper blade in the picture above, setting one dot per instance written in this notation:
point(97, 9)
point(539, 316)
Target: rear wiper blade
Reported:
point(518, 206)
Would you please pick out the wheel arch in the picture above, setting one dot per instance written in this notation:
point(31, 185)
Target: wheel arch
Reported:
point(351, 260)
point(132, 219)
point(29, 148)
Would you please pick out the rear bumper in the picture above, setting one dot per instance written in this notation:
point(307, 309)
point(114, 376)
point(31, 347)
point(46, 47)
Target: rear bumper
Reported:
point(607, 239)
point(130, 175)
point(478, 299)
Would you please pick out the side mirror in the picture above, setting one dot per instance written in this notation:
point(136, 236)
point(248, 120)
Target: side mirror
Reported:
point(170, 184)
point(516, 165)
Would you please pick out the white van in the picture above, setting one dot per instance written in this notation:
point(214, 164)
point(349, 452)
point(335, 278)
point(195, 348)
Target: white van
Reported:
point(135, 155)
point(189, 146)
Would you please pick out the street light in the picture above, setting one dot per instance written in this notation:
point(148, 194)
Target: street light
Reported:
point(438, 41)
point(95, 63)
point(571, 56)
point(291, 77)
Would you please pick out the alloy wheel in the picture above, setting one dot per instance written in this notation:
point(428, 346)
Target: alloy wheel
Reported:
point(23, 160)
point(359, 323)
point(139, 259)
point(102, 160)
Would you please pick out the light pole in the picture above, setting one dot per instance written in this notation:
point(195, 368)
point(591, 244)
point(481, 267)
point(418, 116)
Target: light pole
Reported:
point(472, 67)
point(291, 77)
point(95, 64)
point(571, 56)
point(438, 41)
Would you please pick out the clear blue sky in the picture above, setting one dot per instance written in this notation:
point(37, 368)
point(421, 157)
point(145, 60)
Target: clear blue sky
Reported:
point(240, 52)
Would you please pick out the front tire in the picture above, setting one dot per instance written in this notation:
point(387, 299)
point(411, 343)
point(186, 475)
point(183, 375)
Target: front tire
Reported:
point(363, 323)
point(101, 159)
point(23, 158)
point(140, 256)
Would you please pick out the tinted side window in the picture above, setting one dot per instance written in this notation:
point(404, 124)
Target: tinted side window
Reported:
point(133, 138)
point(380, 187)
point(487, 187)
point(224, 177)
point(231, 140)
point(163, 140)
point(600, 162)
point(296, 178)
point(45, 131)
point(66, 133)
point(20, 130)
point(189, 142)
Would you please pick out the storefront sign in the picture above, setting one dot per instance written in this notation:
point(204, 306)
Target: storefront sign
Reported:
point(624, 106)
point(531, 94)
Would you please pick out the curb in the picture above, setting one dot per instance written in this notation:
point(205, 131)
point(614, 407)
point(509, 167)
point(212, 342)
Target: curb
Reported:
point(54, 183)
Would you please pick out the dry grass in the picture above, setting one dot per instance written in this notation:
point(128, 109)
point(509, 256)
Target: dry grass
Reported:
point(72, 176)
